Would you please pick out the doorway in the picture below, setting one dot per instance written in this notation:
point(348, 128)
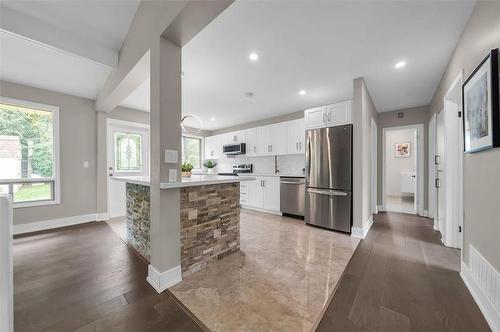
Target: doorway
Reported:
point(374, 184)
point(449, 170)
point(127, 155)
point(402, 175)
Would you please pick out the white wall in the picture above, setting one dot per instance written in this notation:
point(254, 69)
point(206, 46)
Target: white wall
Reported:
point(287, 164)
point(395, 166)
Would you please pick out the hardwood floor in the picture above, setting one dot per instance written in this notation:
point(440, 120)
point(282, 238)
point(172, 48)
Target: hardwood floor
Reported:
point(85, 278)
point(401, 278)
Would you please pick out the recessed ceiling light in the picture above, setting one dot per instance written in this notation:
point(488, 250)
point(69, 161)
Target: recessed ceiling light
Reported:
point(249, 94)
point(400, 64)
point(302, 92)
point(212, 119)
point(253, 56)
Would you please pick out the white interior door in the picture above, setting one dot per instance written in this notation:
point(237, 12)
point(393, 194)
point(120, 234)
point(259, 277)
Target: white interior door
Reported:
point(440, 176)
point(128, 155)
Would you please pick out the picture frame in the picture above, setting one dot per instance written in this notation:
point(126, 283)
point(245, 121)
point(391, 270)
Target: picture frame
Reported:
point(481, 106)
point(402, 150)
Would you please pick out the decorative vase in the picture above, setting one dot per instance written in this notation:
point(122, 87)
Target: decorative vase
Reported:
point(210, 171)
point(186, 174)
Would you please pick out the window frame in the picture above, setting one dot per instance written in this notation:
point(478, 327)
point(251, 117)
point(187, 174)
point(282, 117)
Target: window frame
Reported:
point(56, 174)
point(202, 149)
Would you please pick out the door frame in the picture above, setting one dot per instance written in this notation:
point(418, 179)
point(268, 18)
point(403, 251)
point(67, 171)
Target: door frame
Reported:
point(420, 165)
point(454, 148)
point(432, 193)
point(125, 124)
point(374, 161)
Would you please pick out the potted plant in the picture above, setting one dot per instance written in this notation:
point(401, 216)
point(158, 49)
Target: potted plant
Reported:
point(210, 165)
point(186, 169)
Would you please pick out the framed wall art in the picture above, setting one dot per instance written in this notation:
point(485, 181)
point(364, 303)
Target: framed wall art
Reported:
point(480, 102)
point(403, 150)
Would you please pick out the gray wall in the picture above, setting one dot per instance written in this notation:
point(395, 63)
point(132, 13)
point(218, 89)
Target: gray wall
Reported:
point(481, 170)
point(411, 116)
point(363, 111)
point(77, 125)
point(119, 113)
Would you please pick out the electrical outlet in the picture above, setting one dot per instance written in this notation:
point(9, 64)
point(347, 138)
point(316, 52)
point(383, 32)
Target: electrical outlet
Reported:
point(172, 175)
point(171, 156)
point(85, 164)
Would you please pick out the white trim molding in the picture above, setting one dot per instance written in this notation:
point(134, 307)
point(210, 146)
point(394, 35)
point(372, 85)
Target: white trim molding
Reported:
point(483, 282)
point(261, 210)
point(162, 281)
point(380, 208)
point(426, 214)
point(102, 216)
point(361, 233)
point(53, 223)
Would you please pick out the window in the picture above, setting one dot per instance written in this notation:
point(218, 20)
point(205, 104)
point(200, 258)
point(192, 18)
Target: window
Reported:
point(128, 152)
point(29, 152)
point(191, 150)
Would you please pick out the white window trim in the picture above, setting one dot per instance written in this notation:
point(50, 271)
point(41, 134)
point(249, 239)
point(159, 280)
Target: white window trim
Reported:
point(56, 167)
point(202, 149)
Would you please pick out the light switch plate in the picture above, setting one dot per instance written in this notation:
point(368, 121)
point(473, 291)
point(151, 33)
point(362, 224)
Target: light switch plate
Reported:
point(172, 175)
point(171, 156)
point(85, 164)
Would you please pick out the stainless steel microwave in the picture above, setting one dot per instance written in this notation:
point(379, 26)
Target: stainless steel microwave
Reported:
point(239, 148)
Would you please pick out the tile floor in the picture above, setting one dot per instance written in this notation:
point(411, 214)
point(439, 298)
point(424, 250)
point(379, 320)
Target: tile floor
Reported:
point(281, 280)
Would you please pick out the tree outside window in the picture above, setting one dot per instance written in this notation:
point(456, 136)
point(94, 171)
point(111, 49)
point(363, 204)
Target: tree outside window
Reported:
point(191, 151)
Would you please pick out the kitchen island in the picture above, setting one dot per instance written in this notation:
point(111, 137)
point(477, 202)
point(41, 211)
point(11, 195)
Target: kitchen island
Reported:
point(209, 217)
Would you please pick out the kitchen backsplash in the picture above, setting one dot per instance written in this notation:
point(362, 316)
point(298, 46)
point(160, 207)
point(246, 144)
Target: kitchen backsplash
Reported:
point(287, 164)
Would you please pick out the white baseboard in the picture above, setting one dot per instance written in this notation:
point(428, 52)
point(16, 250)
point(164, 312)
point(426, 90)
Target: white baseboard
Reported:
point(102, 216)
point(360, 233)
point(380, 208)
point(425, 214)
point(53, 223)
point(164, 280)
point(436, 225)
point(261, 210)
point(483, 282)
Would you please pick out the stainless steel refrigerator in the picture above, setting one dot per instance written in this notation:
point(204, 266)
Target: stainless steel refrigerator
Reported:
point(329, 178)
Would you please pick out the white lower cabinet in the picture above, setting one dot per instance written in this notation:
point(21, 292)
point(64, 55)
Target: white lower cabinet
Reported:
point(262, 193)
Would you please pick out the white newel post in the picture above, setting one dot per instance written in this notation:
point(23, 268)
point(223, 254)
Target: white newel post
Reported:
point(6, 275)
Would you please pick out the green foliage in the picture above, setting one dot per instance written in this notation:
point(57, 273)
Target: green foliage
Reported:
point(210, 163)
point(191, 151)
point(35, 133)
point(186, 167)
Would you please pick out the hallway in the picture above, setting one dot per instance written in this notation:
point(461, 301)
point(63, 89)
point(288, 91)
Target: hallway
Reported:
point(402, 279)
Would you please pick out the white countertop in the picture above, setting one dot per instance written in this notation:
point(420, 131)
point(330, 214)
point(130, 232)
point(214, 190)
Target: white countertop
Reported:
point(194, 180)
point(297, 175)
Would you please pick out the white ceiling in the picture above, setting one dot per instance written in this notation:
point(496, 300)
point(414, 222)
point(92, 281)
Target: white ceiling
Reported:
point(65, 46)
point(320, 47)
point(316, 46)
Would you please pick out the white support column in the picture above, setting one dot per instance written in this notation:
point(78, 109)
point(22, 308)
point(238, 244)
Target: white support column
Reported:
point(165, 269)
point(6, 267)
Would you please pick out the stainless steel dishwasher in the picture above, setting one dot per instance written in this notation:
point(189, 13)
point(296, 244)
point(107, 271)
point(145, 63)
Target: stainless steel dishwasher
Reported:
point(292, 195)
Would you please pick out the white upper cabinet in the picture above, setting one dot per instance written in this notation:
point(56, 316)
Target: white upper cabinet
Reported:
point(295, 136)
point(315, 118)
point(237, 137)
point(329, 115)
point(338, 114)
point(272, 139)
point(251, 142)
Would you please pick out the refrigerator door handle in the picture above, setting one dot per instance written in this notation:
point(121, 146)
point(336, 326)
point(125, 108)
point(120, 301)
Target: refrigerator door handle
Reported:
point(326, 192)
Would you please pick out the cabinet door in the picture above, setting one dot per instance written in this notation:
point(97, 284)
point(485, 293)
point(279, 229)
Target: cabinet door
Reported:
point(339, 114)
point(315, 118)
point(277, 138)
point(237, 136)
point(254, 193)
point(271, 193)
point(295, 136)
point(251, 142)
point(263, 141)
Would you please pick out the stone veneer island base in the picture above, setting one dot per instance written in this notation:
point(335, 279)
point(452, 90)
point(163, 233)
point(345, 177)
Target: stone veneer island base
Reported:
point(210, 222)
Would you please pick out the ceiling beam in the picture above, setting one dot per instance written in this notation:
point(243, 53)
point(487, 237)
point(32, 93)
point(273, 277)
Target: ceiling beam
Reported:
point(40, 32)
